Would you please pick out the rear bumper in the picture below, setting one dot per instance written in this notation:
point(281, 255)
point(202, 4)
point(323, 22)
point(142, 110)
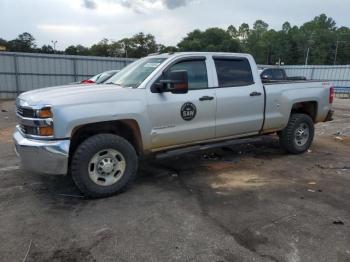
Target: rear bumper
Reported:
point(329, 116)
point(40, 156)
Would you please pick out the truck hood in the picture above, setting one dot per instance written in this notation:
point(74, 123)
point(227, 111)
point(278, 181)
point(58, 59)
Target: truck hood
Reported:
point(76, 94)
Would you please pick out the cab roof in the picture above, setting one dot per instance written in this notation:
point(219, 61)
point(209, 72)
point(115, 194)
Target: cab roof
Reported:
point(176, 54)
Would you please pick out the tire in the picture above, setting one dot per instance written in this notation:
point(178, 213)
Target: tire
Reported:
point(104, 165)
point(294, 138)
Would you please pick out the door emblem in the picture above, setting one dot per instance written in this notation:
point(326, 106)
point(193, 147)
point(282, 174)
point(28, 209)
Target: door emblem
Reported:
point(188, 111)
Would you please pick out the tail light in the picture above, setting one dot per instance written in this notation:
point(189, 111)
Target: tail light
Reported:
point(331, 95)
point(87, 81)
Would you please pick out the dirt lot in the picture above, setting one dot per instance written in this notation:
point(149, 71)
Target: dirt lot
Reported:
point(246, 203)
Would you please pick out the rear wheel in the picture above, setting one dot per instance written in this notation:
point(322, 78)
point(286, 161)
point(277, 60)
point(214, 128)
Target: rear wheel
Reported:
point(104, 165)
point(297, 137)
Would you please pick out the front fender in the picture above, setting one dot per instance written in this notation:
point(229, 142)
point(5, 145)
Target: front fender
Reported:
point(68, 117)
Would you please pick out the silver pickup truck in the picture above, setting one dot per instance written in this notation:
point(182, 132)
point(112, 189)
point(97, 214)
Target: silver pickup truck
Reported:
point(158, 105)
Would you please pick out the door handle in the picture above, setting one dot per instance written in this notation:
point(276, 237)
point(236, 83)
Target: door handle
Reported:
point(204, 98)
point(255, 93)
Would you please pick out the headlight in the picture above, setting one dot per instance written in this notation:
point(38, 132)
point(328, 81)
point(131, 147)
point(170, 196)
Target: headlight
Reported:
point(35, 122)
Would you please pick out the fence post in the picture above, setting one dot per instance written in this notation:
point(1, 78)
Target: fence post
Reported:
point(15, 63)
point(75, 69)
point(312, 73)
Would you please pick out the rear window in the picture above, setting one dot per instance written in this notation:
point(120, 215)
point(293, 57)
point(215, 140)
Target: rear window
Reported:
point(233, 71)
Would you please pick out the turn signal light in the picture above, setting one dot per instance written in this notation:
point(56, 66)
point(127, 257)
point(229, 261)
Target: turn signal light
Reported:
point(44, 113)
point(46, 131)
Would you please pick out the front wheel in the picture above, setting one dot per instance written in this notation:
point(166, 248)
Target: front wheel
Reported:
point(104, 165)
point(297, 137)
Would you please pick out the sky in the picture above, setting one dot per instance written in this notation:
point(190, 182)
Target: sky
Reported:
point(88, 21)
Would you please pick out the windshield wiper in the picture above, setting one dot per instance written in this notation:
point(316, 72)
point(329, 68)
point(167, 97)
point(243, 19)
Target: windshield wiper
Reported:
point(111, 83)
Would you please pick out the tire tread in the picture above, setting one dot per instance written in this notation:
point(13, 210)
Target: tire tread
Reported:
point(287, 134)
point(90, 144)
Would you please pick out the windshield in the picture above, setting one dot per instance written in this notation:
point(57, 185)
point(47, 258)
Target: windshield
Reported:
point(134, 74)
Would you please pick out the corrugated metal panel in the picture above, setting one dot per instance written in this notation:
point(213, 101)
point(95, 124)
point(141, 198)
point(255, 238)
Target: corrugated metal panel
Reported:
point(27, 71)
point(87, 68)
point(7, 83)
point(6, 63)
point(339, 75)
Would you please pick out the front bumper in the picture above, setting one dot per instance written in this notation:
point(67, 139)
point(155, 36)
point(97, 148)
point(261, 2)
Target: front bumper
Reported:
point(42, 156)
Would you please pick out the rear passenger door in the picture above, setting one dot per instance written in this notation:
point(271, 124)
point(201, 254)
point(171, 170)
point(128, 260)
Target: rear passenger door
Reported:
point(240, 97)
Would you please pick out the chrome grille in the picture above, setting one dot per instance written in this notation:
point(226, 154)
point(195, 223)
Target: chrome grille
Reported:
point(19, 111)
point(21, 127)
point(30, 124)
point(28, 130)
point(25, 112)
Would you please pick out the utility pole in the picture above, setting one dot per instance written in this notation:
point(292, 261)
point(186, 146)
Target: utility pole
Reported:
point(125, 50)
point(337, 46)
point(336, 51)
point(54, 42)
point(307, 55)
point(309, 43)
point(279, 61)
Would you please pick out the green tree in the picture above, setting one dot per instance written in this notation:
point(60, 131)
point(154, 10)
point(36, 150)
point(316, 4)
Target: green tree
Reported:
point(25, 42)
point(257, 44)
point(233, 32)
point(286, 27)
point(47, 49)
point(101, 48)
point(140, 45)
point(167, 49)
point(342, 46)
point(319, 38)
point(212, 39)
point(243, 31)
point(77, 50)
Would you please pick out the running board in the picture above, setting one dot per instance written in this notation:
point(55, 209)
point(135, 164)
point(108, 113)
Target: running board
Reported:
point(201, 147)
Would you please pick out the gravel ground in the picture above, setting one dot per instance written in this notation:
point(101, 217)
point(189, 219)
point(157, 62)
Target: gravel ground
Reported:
point(243, 203)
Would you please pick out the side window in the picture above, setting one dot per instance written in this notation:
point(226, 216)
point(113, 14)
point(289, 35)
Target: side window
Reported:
point(278, 74)
point(233, 72)
point(197, 73)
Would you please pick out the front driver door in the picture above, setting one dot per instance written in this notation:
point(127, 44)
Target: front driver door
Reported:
point(179, 119)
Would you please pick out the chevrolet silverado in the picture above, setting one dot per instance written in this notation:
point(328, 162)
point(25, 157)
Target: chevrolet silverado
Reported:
point(157, 105)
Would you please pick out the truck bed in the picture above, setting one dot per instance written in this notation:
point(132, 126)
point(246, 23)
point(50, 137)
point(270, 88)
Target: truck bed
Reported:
point(290, 81)
point(282, 95)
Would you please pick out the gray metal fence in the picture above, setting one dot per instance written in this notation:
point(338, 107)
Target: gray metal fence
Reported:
point(20, 72)
point(338, 75)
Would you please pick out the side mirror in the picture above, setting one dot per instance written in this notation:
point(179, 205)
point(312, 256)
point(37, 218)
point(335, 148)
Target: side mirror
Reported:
point(175, 82)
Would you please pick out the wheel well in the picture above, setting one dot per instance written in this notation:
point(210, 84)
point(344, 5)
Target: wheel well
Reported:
point(128, 129)
point(309, 108)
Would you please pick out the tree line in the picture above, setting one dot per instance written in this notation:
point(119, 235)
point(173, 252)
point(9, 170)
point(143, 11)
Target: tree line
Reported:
point(318, 41)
